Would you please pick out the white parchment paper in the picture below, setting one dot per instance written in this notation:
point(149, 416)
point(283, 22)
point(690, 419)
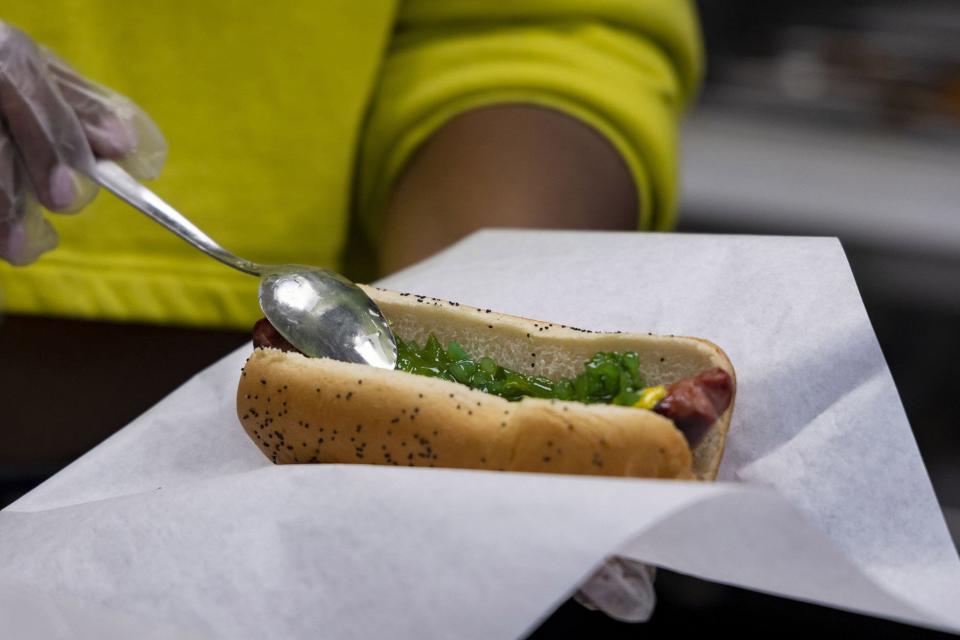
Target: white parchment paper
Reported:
point(178, 524)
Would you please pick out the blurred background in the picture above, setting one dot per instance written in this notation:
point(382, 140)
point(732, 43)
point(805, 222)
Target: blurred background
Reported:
point(837, 118)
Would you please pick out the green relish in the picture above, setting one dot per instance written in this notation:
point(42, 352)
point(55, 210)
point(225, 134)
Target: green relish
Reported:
point(609, 378)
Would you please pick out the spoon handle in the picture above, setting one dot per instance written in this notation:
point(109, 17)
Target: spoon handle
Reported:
point(114, 179)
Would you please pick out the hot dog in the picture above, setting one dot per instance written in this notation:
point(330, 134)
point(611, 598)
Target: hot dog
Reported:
point(551, 414)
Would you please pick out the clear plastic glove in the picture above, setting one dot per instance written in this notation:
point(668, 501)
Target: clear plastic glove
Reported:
point(622, 589)
point(53, 123)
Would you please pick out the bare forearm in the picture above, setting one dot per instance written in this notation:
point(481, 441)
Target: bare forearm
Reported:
point(505, 166)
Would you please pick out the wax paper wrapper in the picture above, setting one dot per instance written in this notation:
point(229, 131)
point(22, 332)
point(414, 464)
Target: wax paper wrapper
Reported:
point(177, 526)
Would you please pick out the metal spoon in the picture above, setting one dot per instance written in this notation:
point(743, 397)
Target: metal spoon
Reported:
point(319, 311)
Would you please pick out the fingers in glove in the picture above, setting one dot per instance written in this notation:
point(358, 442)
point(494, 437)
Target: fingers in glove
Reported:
point(10, 180)
point(109, 135)
point(47, 133)
point(115, 127)
point(23, 242)
point(622, 588)
point(24, 233)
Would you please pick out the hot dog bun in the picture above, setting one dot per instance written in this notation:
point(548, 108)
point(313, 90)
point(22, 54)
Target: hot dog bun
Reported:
point(300, 410)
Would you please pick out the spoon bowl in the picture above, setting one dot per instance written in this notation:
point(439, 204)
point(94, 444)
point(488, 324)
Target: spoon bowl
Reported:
point(325, 315)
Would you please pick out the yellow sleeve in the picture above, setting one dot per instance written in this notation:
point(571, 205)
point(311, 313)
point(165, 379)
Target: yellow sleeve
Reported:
point(625, 67)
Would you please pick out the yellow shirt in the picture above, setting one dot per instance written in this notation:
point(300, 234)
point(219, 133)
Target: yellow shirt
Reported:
point(288, 122)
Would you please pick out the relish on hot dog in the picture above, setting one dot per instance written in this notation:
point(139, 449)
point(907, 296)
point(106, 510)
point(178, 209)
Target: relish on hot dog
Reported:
point(478, 389)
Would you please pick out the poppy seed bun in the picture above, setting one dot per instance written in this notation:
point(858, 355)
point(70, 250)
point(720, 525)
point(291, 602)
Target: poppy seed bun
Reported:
point(299, 409)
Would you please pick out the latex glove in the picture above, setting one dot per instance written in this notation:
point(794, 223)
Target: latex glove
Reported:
point(622, 589)
point(52, 124)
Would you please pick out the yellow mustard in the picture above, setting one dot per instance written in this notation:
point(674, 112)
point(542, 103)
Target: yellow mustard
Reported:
point(650, 396)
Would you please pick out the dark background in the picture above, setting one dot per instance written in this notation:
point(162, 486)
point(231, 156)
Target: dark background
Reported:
point(817, 118)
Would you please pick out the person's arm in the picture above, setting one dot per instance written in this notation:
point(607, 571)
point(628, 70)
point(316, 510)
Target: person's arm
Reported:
point(534, 113)
point(505, 166)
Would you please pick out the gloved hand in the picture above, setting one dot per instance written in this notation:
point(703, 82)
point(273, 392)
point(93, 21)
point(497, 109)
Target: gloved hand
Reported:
point(622, 589)
point(52, 125)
